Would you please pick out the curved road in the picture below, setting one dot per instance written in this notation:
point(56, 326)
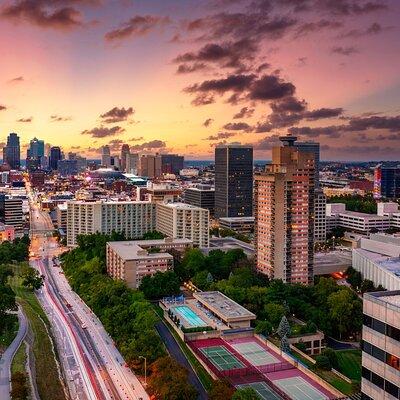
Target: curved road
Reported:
point(8, 356)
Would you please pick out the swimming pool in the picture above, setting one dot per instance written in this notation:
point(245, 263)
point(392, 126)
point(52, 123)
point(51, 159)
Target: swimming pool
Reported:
point(189, 316)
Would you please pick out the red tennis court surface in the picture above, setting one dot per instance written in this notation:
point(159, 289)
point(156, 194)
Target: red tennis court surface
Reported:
point(260, 364)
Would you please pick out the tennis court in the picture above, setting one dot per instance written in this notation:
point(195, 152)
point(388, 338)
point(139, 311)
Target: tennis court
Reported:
point(221, 358)
point(262, 390)
point(254, 353)
point(298, 388)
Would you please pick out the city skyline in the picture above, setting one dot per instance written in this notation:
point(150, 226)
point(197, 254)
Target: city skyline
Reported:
point(180, 78)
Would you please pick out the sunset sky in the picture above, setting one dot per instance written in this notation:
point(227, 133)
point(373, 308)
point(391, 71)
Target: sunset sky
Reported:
point(182, 76)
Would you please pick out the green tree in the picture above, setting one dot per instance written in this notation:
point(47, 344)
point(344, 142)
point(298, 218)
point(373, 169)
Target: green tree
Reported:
point(32, 279)
point(245, 394)
point(367, 286)
point(323, 362)
point(332, 355)
point(153, 235)
point(160, 284)
point(169, 381)
point(221, 390)
point(273, 313)
point(283, 328)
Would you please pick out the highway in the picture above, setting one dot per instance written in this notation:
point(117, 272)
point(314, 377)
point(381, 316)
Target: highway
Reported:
point(93, 367)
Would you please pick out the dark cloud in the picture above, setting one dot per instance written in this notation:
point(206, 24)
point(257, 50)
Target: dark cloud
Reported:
point(344, 51)
point(102, 131)
point(373, 29)
point(139, 25)
point(321, 113)
point(117, 114)
point(45, 13)
point(59, 118)
point(291, 104)
point(245, 112)
point(226, 55)
point(290, 111)
point(136, 139)
point(2, 108)
point(267, 143)
point(208, 122)
point(25, 120)
point(235, 83)
point(262, 67)
point(311, 27)
point(355, 124)
point(188, 68)
point(221, 135)
point(270, 87)
point(203, 99)
point(267, 87)
point(18, 79)
point(238, 126)
point(352, 7)
point(115, 144)
point(153, 144)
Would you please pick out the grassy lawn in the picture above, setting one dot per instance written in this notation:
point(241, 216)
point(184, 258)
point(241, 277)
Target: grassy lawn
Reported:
point(350, 363)
point(18, 363)
point(203, 375)
point(47, 378)
point(9, 333)
point(328, 376)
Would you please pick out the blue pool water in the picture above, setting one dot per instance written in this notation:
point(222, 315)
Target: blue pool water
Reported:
point(189, 315)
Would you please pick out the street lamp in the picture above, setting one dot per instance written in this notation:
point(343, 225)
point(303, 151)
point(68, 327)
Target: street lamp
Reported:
point(145, 370)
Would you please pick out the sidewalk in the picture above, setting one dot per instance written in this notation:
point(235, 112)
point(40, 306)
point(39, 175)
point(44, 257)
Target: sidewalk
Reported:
point(7, 357)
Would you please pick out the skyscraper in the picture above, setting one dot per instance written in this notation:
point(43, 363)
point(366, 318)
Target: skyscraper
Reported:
point(149, 165)
point(105, 156)
point(171, 163)
point(233, 181)
point(55, 156)
point(386, 182)
point(36, 148)
point(284, 215)
point(124, 154)
point(11, 152)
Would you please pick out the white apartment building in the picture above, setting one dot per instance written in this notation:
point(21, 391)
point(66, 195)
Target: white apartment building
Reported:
point(337, 215)
point(132, 218)
point(378, 259)
point(62, 216)
point(184, 221)
point(381, 346)
point(319, 216)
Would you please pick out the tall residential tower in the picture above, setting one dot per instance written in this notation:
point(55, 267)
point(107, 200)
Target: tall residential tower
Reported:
point(284, 215)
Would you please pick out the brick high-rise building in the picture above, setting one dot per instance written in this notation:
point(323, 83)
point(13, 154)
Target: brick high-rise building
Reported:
point(284, 215)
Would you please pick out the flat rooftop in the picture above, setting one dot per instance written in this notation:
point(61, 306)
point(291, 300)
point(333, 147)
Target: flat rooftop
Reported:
point(223, 306)
point(390, 297)
point(390, 264)
point(363, 215)
point(136, 249)
point(182, 206)
point(237, 219)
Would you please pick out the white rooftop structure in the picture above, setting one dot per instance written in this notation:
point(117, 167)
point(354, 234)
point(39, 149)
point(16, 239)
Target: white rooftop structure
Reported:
point(378, 259)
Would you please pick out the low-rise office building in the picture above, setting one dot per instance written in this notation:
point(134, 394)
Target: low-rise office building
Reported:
point(132, 260)
point(7, 233)
point(184, 221)
point(338, 216)
point(381, 346)
point(202, 196)
point(378, 259)
point(243, 225)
